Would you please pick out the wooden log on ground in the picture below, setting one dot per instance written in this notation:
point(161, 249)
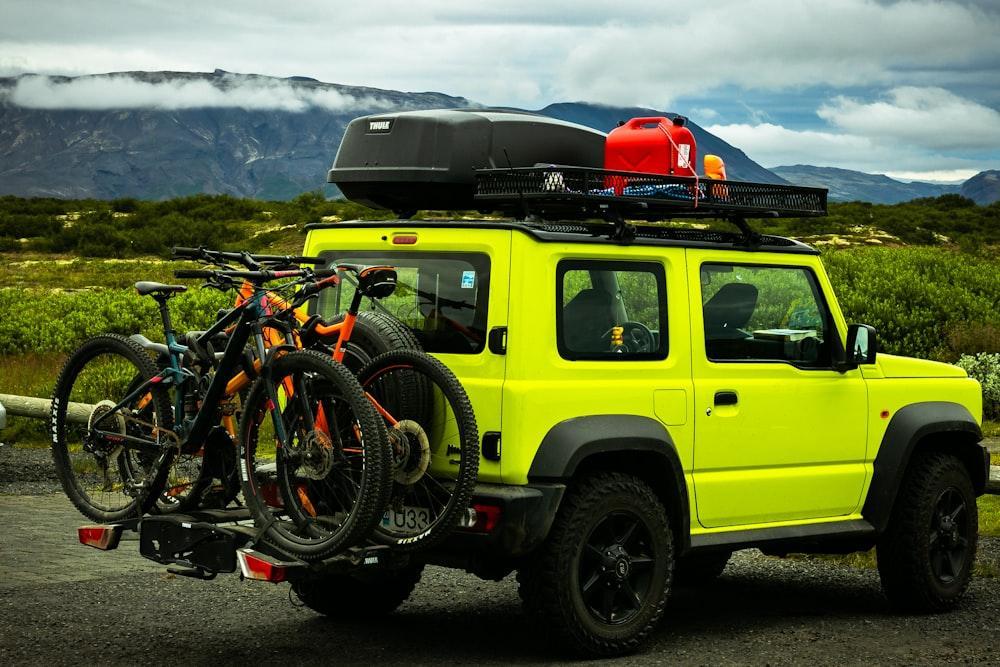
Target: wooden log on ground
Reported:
point(40, 408)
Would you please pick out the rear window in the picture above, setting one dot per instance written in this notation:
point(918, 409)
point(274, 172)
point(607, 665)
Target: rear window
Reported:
point(441, 297)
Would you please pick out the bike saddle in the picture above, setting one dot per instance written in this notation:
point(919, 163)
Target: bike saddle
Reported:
point(377, 282)
point(144, 287)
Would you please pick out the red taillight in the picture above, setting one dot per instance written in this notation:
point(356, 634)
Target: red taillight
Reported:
point(404, 239)
point(104, 538)
point(255, 565)
point(481, 518)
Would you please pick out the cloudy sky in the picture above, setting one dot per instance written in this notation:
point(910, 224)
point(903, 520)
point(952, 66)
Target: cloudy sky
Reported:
point(908, 88)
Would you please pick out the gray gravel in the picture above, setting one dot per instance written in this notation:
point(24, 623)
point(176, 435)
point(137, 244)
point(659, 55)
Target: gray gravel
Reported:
point(61, 603)
point(27, 470)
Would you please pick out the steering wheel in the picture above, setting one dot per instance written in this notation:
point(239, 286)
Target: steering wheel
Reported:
point(636, 337)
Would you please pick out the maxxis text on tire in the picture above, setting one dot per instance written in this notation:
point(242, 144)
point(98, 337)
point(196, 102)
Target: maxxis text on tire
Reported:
point(135, 362)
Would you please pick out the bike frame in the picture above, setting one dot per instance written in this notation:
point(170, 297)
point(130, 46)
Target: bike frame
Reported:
point(243, 322)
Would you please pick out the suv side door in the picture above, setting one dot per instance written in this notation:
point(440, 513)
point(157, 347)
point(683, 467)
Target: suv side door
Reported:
point(779, 435)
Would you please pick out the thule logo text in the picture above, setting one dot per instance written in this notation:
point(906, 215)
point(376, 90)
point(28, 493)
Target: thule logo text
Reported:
point(379, 126)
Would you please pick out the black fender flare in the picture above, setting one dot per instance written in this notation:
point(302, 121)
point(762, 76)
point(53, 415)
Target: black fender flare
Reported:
point(906, 429)
point(570, 443)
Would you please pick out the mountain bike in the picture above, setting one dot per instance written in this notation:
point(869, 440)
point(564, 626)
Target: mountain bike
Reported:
point(430, 422)
point(326, 433)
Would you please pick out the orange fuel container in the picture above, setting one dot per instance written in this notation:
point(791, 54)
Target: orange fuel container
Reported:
point(654, 145)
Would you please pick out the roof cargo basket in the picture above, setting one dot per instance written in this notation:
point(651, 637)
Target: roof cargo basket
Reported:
point(556, 192)
point(428, 159)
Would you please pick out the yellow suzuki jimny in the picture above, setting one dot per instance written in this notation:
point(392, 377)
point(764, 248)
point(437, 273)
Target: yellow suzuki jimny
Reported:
point(649, 397)
point(646, 397)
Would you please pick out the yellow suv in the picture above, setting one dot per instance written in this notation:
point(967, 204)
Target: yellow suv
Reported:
point(649, 407)
point(650, 398)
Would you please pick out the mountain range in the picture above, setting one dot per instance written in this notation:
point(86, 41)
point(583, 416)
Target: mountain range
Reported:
point(155, 135)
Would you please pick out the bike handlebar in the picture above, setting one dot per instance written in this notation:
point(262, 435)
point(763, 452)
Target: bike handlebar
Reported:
point(249, 260)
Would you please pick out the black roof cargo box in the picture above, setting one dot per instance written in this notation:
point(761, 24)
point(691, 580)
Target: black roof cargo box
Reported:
point(427, 159)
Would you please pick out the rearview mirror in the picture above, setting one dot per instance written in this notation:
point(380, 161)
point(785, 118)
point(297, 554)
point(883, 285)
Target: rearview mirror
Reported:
point(861, 348)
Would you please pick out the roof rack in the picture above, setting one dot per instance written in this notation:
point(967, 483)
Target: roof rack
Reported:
point(558, 192)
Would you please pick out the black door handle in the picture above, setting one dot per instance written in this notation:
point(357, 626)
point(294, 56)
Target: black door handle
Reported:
point(726, 398)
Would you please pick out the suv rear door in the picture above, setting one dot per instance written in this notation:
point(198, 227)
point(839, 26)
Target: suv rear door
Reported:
point(451, 292)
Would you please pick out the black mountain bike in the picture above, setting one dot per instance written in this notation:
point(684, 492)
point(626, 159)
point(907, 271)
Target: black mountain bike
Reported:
point(142, 419)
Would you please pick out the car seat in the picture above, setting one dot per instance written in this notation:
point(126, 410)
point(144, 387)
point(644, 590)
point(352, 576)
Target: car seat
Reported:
point(729, 311)
point(586, 318)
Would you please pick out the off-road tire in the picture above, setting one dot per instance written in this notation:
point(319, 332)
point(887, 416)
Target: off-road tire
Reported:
point(700, 569)
point(550, 586)
point(365, 596)
point(904, 550)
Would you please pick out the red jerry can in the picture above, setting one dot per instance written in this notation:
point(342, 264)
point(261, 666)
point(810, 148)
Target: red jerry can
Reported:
point(653, 145)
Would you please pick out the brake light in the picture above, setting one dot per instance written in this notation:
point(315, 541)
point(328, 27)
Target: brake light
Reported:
point(104, 538)
point(481, 518)
point(258, 566)
point(404, 239)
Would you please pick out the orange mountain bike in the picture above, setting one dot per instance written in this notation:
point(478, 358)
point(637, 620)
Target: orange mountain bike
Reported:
point(429, 419)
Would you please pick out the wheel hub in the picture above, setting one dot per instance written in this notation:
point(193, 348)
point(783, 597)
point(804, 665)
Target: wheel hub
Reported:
point(316, 456)
point(411, 452)
point(617, 564)
point(105, 444)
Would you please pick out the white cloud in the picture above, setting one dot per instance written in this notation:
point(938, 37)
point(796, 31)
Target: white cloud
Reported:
point(773, 145)
point(930, 117)
point(587, 50)
point(125, 92)
point(934, 175)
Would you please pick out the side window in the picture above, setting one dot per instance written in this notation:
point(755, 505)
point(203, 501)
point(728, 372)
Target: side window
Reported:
point(613, 311)
point(764, 313)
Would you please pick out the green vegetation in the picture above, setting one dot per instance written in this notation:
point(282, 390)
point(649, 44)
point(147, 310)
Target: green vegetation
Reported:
point(949, 219)
point(130, 228)
point(926, 302)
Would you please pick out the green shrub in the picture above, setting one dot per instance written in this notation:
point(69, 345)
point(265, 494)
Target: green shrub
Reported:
point(45, 321)
point(915, 297)
point(986, 369)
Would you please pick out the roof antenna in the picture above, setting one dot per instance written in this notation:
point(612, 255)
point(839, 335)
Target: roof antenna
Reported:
point(520, 186)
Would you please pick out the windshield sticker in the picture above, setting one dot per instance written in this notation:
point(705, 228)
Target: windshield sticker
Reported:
point(468, 279)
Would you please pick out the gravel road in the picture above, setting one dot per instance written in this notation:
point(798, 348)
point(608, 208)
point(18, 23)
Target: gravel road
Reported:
point(62, 603)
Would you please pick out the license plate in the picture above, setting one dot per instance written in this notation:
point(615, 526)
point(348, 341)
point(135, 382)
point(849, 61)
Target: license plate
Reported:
point(408, 520)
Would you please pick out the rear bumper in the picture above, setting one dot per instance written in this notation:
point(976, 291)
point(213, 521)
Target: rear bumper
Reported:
point(526, 515)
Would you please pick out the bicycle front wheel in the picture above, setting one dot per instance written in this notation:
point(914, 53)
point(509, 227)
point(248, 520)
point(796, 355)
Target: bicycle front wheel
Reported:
point(314, 461)
point(108, 432)
point(435, 448)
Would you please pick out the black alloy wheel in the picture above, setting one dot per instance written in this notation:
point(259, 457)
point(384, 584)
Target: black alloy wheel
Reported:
point(948, 543)
point(615, 569)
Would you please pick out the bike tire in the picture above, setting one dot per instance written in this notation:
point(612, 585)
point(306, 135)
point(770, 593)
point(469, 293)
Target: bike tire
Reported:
point(435, 453)
point(92, 376)
point(327, 491)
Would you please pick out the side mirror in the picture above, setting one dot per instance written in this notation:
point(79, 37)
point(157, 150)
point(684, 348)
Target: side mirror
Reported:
point(861, 348)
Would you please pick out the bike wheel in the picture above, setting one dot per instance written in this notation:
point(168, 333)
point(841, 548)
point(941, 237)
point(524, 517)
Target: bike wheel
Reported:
point(105, 476)
point(322, 490)
point(435, 449)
